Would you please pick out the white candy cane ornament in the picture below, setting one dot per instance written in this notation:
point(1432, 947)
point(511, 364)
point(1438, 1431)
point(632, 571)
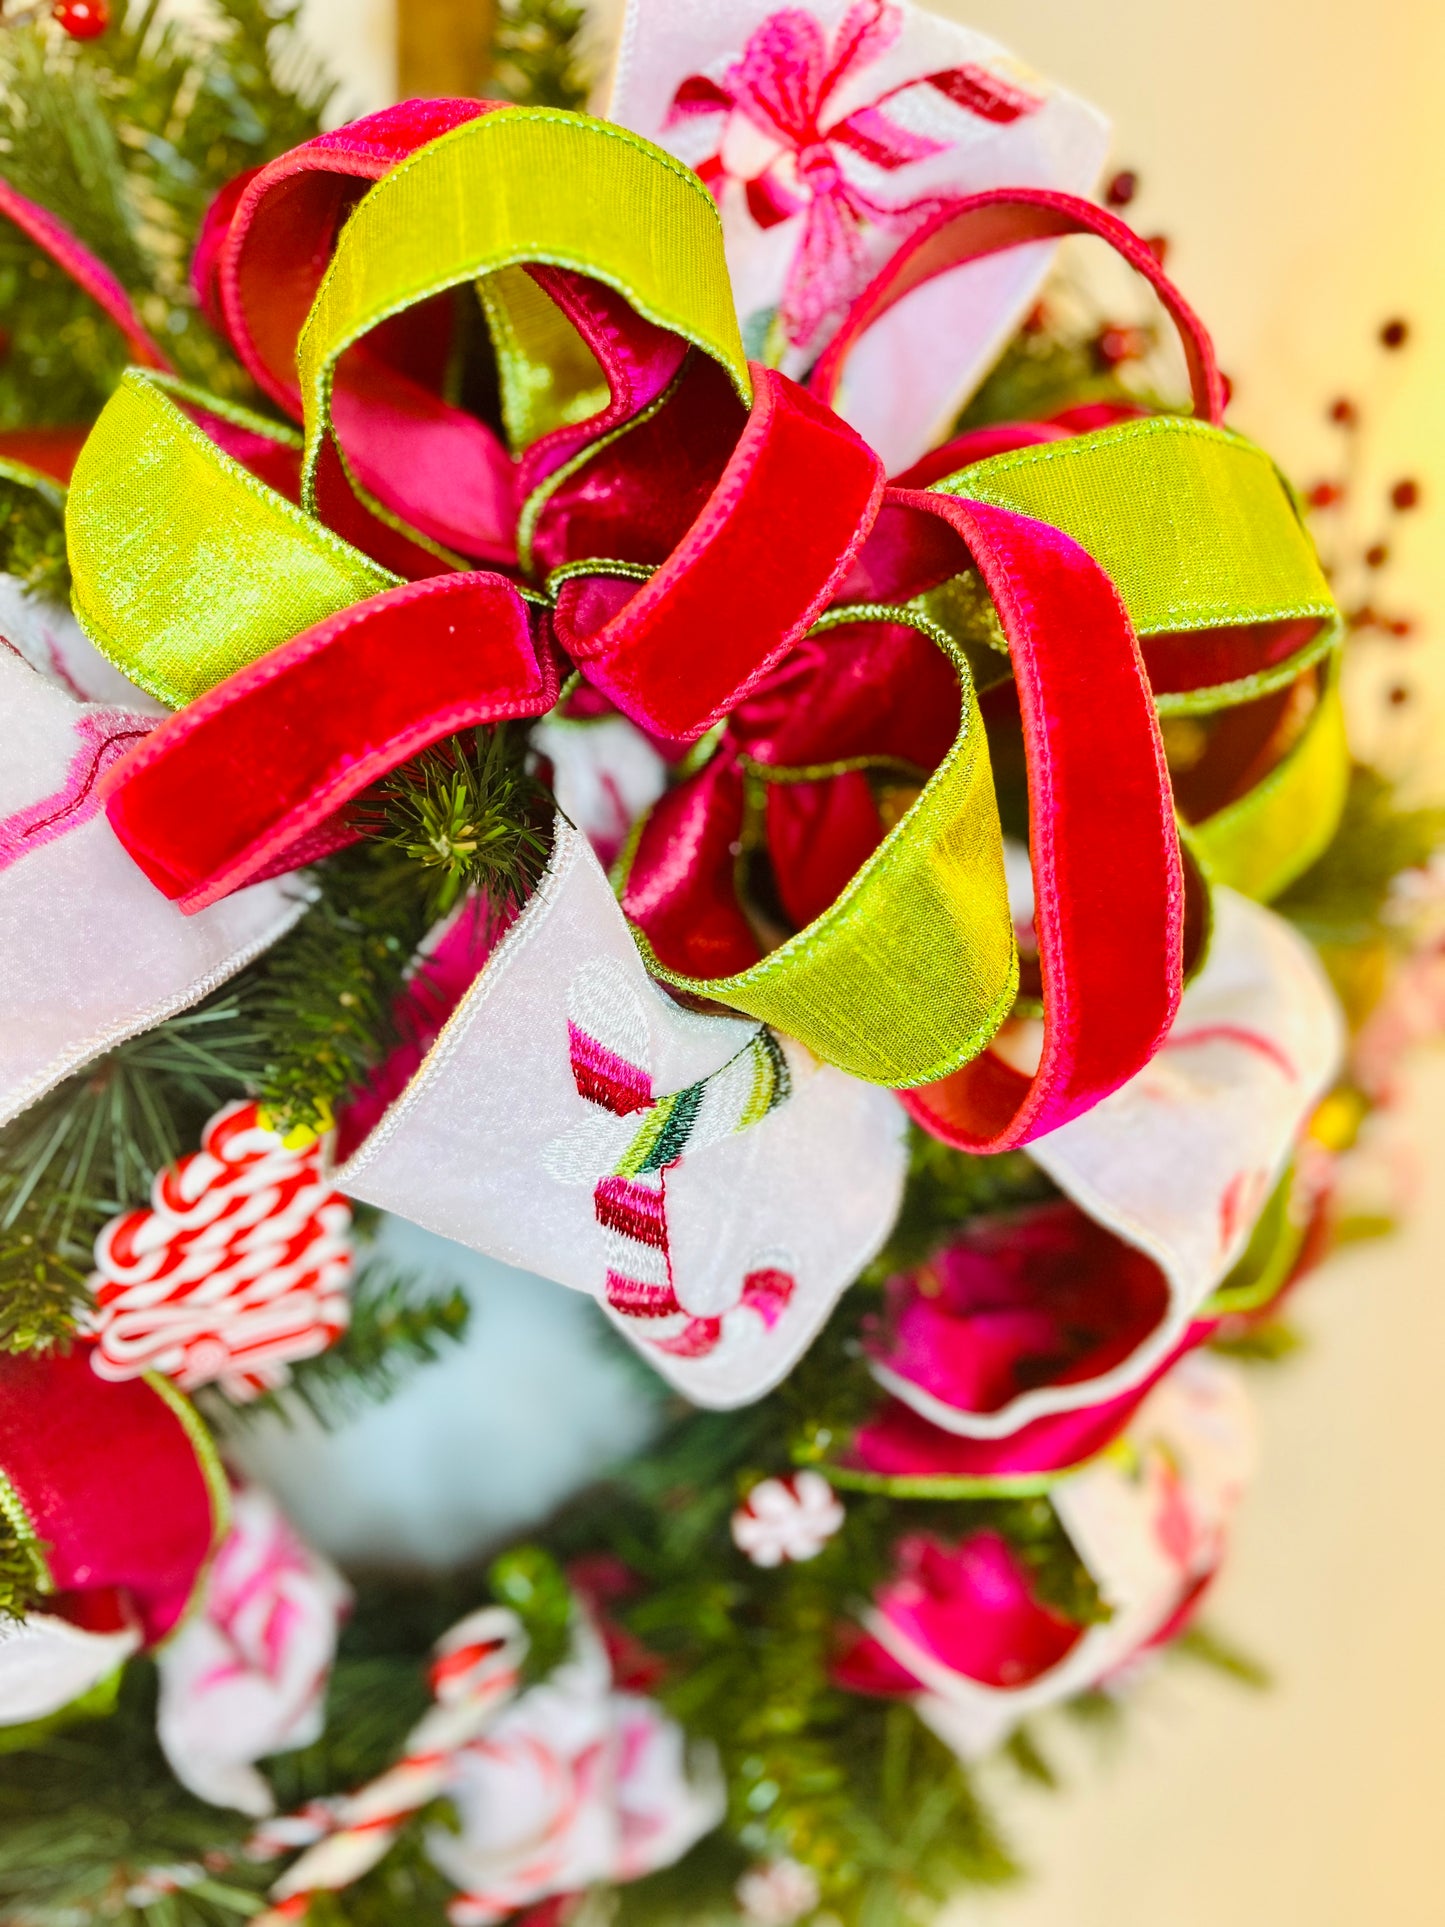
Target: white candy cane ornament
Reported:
point(239, 1267)
point(475, 1674)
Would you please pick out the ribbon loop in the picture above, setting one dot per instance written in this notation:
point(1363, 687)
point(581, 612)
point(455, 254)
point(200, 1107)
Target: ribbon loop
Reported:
point(1108, 883)
point(1010, 217)
point(304, 730)
point(501, 191)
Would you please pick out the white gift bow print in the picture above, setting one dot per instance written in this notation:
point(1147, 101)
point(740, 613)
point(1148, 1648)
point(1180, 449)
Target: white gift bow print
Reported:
point(826, 132)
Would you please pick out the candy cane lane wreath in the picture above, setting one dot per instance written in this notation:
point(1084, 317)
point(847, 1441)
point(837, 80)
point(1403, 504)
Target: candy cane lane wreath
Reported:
point(638, 1090)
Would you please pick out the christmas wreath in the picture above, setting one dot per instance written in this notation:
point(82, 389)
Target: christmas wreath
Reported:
point(645, 694)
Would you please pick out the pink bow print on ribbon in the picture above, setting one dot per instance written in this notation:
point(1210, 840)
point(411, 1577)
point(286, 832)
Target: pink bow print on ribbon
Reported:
point(781, 89)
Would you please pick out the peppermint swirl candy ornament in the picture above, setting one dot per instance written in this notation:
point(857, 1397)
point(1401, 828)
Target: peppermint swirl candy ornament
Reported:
point(239, 1267)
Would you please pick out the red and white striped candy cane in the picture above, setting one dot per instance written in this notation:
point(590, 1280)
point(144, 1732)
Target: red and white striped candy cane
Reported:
point(475, 1673)
point(239, 1266)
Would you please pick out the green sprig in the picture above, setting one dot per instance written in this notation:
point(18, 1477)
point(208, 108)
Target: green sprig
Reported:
point(472, 815)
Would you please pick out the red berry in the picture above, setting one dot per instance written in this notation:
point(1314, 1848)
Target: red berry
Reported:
point(1405, 495)
point(1122, 189)
point(1116, 345)
point(1325, 495)
point(83, 19)
point(1376, 556)
point(1344, 413)
point(1395, 333)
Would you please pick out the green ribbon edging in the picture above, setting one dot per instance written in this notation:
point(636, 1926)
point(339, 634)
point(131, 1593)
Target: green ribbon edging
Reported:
point(186, 568)
point(911, 970)
point(514, 186)
point(1193, 524)
point(1272, 835)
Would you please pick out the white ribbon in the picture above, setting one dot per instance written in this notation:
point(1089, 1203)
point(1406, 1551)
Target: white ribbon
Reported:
point(900, 393)
point(1149, 1521)
point(94, 954)
point(1180, 1161)
point(722, 1264)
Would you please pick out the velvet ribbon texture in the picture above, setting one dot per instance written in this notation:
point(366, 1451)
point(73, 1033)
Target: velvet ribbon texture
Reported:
point(703, 546)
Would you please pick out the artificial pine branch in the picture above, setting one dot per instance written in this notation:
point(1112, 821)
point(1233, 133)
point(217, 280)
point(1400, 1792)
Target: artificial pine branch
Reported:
point(19, 1577)
point(42, 1291)
point(471, 813)
point(126, 139)
point(536, 57)
point(322, 1000)
point(1343, 898)
point(394, 1329)
point(945, 1189)
point(32, 538)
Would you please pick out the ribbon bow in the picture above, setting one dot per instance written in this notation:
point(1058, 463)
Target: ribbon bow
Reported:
point(713, 549)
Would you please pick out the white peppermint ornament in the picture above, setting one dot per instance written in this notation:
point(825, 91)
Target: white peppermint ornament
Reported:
point(787, 1520)
point(778, 1893)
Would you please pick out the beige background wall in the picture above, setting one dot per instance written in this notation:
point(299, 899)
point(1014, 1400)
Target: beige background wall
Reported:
point(1294, 151)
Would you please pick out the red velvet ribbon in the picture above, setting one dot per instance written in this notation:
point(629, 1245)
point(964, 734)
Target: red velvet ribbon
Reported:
point(110, 1481)
point(1108, 878)
point(719, 536)
point(733, 596)
point(1009, 217)
point(255, 776)
point(52, 451)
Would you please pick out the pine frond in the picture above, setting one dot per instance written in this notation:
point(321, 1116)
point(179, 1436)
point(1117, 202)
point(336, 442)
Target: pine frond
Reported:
point(472, 815)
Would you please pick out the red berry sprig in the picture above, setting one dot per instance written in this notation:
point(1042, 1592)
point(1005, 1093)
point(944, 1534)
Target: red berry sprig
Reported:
point(83, 19)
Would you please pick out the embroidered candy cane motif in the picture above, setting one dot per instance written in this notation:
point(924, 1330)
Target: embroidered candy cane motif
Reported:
point(782, 86)
point(239, 1267)
point(637, 1137)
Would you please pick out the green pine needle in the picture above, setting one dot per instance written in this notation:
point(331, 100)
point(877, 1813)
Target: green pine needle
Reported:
point(20, 1576)
point(535, 53)
point(1342, 898)
point(32, 542)
point(395, 1329)
point(469, 811)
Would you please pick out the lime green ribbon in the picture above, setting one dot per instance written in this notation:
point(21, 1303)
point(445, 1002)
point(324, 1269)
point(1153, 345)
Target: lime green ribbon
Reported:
point(186, 568)
point(506, 189)
point(912, 968)
point(1262, 843)
point(1194, 526)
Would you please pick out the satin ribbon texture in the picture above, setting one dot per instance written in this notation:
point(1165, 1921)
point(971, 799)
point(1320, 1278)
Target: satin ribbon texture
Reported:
point(714, 550)
point(961, 1630)
point(127, 1526)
